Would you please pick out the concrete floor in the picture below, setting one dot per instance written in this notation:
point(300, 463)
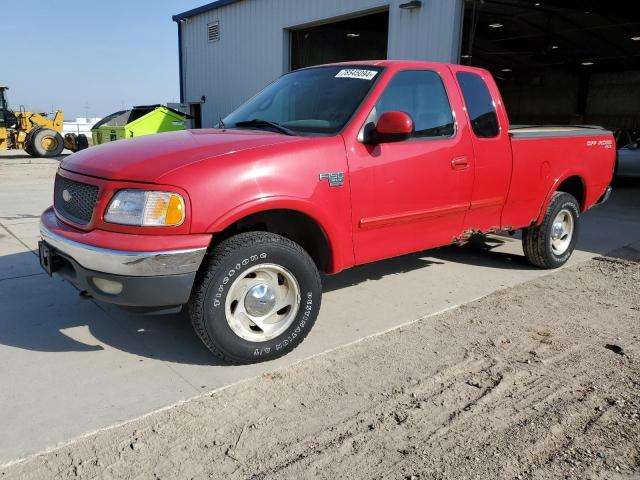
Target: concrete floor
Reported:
point(69, 366)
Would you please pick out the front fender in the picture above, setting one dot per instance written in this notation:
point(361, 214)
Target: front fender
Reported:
point(228, 188)
point(339, 239)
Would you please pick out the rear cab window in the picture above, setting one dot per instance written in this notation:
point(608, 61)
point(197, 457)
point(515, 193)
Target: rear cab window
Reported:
point(480, 105)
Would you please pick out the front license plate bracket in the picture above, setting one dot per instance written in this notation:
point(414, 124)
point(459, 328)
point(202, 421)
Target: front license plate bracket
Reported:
point(46, 257)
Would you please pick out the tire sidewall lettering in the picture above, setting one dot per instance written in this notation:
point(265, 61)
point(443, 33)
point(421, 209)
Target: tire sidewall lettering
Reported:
point(217, 300)
point(308, 308)
point(307, 305)
point(235, 260)
point(229, 262)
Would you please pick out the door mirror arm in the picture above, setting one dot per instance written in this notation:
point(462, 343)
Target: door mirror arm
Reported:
point(369, 135)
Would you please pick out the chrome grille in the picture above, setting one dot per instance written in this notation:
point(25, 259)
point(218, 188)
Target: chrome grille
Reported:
point(74, 200)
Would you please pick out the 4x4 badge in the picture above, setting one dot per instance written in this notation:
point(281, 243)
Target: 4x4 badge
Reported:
point(336, 179)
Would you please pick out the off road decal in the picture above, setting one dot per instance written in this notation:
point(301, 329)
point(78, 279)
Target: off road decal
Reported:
point(607, 144)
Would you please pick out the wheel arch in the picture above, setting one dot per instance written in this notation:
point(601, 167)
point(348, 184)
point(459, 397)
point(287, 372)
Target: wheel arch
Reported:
point(572, 184)
point(294, 220)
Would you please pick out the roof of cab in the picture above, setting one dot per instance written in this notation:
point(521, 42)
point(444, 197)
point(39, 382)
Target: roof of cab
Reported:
point(398, 64)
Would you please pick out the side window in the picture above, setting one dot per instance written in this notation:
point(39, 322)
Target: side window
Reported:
point(421, 94)
point(482, 111)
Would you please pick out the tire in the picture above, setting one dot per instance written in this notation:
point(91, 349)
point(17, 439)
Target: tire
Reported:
point(71, 142)
point(83, 142)
point(29, 150)
point(543, 244)
point(46, 142)
point(247, 262)
point(27, 143)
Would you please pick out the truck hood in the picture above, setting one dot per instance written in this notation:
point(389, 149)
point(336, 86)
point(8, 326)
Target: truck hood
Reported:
point(145, 159)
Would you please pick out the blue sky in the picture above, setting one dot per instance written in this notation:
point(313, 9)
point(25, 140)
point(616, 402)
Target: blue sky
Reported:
point(69, 54)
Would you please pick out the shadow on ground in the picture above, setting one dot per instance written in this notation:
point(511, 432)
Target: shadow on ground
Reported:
point(49, 315)
point(478, 251)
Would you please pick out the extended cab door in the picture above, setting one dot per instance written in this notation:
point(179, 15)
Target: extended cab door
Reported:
point(413, 194)
point(491, 148)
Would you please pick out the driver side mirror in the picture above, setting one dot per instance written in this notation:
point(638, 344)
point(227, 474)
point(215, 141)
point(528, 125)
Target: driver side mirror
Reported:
point(391, 127)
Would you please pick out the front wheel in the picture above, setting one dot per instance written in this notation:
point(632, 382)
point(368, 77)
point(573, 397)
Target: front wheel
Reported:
point(550, 244)
point(46, 143)
point(256, 298)
point(28, 147)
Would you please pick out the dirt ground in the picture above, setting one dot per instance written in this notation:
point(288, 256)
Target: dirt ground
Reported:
point(538, 381)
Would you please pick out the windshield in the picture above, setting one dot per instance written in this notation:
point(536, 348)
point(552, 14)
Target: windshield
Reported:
point(316, 101)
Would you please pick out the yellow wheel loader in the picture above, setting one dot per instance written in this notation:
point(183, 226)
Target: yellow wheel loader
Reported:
point(36, 133)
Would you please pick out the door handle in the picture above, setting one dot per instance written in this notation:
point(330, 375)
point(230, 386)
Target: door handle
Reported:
point(460, 163)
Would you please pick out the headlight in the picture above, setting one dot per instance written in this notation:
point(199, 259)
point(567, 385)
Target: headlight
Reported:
point(146, 208)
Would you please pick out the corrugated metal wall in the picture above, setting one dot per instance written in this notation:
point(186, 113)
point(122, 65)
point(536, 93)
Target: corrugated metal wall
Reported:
point(254, 46)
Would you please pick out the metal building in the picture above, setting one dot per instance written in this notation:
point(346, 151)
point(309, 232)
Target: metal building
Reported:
point(230, 49)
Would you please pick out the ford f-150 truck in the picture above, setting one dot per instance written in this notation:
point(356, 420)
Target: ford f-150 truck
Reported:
point(326, 168)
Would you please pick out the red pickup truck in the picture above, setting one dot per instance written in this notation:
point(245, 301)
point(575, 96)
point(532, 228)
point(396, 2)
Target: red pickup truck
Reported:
point(326, 168)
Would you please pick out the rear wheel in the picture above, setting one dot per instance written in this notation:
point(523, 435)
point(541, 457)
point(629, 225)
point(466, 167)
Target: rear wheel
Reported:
point(46, 142)
point(550, 244)
point(256, 298)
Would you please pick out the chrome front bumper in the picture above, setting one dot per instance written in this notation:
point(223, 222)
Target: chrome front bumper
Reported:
point(117, 262)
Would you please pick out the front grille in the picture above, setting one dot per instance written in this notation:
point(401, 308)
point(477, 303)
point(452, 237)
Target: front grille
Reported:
point(77, 203)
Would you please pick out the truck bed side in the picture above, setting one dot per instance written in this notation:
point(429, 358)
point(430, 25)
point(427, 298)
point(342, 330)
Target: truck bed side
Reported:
point(545, 157)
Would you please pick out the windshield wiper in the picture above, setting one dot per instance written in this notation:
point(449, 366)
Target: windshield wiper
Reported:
point(257, 122)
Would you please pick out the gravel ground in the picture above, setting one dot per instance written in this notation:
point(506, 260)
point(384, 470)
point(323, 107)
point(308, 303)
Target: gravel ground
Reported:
point(538, 381)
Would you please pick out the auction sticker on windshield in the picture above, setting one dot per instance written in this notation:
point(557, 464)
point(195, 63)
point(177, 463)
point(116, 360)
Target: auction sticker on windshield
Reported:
point(356, 73)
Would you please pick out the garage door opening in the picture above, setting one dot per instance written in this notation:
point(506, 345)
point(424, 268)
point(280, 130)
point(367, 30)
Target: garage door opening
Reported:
point(559, 61)
point(195, 110)
point(359, 38)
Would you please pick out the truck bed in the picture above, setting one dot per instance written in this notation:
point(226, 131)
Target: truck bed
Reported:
point(539, 164)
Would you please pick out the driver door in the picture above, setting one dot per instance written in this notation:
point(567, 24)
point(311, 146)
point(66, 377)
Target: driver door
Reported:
point(412, 195)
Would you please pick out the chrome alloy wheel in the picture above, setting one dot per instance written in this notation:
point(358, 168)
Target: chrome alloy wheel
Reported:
point(562, 232)
point(262, 303)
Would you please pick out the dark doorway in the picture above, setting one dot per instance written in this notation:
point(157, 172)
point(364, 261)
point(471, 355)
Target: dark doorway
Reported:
point(359, 38)
point(196, 113)
point(559, 61)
